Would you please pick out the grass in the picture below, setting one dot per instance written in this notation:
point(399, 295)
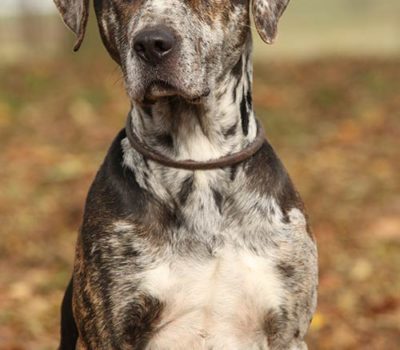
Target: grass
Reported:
point(335, 124)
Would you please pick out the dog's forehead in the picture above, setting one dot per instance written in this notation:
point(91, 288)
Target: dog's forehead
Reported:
point(211, 10)
point(206, 10)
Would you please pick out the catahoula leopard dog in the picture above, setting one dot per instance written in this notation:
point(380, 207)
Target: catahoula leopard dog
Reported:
point(193, 236)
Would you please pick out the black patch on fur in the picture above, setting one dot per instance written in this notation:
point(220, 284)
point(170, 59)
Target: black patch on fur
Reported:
point(69, 331)
point(275, 324)
point(272, 179)
point(272, 211)
point(116, 187)
point(237, 70)
point(165, 140)
point(233, 172)
point(146, 173)
point(119, 181)
point(297, 333)
point(140, 320)
point(286, 270)
point(285, 218)
point(186, 189)
point(230, 131)
point(148, 111)
point(249, 100)
point(130, 252)
point(174, 218)
point(218, 199)
point(244, 115)
point(146, 162)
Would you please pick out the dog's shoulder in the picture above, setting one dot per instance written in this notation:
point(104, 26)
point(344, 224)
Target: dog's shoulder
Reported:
point(115, 190)
point(114, 196)
point(116, 203)
point(268, 176)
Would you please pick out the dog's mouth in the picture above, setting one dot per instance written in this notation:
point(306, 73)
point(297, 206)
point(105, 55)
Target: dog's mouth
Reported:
point(160, 89)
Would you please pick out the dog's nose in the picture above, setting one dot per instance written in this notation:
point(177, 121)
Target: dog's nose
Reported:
point(153, 45)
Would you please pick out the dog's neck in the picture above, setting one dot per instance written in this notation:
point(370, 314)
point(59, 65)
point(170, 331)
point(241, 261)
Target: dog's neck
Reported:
point(220, 124)
point(223, 124)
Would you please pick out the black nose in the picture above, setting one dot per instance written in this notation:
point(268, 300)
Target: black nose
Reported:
point(154, 44)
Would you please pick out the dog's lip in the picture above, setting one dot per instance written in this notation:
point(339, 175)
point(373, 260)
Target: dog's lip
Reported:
point(159, 89)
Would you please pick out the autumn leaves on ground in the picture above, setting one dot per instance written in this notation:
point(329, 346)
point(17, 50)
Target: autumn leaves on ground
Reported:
point(335, 124)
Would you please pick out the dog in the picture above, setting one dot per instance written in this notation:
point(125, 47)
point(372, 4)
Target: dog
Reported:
point(193, 234)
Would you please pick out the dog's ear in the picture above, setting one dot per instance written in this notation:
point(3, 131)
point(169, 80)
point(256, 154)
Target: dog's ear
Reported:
point(75, 14)
point(266, 15)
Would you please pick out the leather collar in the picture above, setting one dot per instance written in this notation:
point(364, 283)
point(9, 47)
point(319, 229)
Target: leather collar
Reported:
point(222, 162)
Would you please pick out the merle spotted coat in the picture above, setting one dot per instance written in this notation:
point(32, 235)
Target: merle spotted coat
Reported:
point(179, 259)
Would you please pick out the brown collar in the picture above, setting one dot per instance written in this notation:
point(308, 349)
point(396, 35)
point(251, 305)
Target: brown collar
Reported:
point(189, 164)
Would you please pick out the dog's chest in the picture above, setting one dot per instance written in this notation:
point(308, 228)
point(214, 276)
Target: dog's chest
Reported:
point(209, 302)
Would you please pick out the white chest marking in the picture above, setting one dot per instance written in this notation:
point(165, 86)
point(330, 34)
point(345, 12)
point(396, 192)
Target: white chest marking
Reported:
point(220, 303)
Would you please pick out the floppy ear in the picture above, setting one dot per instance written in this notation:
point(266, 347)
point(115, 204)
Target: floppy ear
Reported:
point(266, 16)
point(75, 14)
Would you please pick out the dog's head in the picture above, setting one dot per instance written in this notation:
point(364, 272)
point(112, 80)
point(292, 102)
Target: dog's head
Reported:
point(174, 47)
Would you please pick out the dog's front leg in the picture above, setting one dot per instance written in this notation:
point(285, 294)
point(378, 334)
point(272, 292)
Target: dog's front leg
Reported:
point(69, 332)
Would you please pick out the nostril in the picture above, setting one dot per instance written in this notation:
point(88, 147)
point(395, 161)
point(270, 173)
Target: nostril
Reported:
point(139, 47)
point(162, 46)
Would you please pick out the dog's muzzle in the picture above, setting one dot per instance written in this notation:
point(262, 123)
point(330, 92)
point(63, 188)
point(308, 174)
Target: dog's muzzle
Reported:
point(155, 47)
point(163, 67)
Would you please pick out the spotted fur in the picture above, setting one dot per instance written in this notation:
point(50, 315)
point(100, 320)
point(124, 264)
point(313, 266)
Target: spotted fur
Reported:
point(178, 259)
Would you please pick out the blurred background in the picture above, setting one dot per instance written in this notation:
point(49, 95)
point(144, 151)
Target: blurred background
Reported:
point(328, 93)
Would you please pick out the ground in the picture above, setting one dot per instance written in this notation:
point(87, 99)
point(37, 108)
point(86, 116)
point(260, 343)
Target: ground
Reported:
point(334, 122)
